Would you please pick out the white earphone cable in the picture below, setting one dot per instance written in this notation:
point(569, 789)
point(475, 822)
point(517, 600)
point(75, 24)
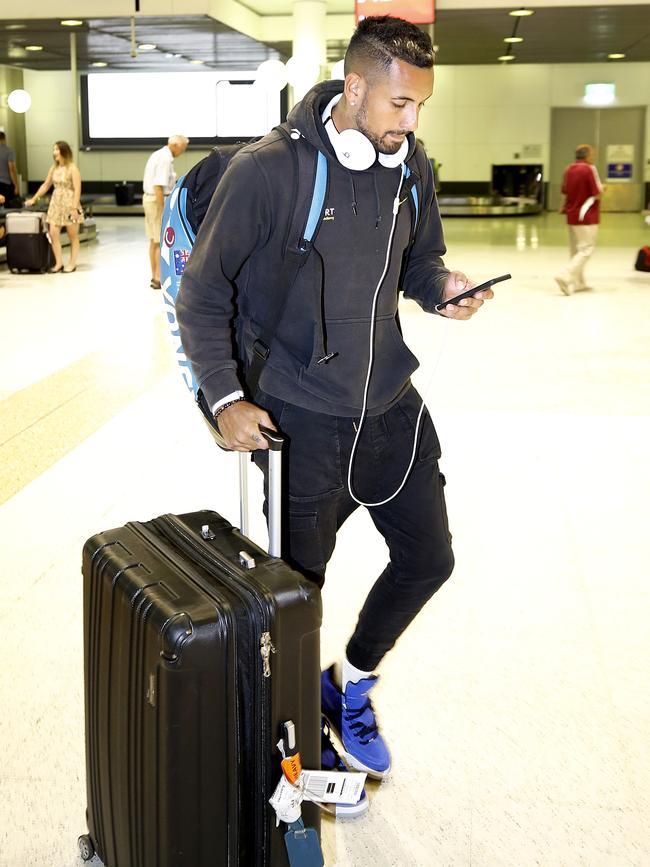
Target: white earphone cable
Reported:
point(368, 373)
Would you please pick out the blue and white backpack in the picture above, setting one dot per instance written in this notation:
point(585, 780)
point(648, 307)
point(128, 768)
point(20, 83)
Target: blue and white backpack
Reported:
point(185, 210)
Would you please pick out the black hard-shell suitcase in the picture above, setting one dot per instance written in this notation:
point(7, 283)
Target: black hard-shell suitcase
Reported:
point(28, 246)
point(198, 647)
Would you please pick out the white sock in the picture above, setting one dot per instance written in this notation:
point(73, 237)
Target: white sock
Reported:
point(350, 674)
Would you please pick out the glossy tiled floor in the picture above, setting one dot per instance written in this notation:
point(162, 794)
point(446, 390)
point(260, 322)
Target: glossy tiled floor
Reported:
point(517, 705)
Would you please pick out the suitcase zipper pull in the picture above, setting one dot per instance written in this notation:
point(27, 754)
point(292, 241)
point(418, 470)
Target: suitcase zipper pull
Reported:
point(266, 649)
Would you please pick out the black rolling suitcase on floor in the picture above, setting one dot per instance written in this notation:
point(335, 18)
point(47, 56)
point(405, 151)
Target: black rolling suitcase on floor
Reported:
point(198, 647)
point(28, 245)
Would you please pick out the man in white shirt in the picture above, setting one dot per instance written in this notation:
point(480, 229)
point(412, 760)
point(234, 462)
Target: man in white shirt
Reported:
point(159, 180)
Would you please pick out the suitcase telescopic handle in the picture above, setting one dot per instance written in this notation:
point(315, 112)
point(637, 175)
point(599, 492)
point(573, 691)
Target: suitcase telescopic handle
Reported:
point(275, 442)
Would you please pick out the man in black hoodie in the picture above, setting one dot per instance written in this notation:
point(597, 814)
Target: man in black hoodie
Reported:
point(337, 379)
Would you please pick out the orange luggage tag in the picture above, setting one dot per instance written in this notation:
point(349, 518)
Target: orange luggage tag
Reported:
point(292, 768)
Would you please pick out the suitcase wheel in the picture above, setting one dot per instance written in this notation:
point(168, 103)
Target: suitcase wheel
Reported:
point(86, 848)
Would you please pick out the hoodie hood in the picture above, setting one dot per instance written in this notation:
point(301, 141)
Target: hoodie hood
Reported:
point(305, 117)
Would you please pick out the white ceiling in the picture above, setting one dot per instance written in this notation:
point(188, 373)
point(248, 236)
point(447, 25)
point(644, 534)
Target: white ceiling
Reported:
point(571, 34)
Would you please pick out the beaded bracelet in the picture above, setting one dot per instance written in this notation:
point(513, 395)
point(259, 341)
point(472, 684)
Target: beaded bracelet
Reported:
point(218, 411)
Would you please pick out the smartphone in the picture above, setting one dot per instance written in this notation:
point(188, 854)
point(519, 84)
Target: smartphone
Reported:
point(473, 291)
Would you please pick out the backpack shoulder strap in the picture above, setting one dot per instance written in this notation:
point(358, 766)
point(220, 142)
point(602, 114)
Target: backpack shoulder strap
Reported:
point(317, 200)
point(311, 169)
point(415, 198)
point(310, 185)
point(415, 176)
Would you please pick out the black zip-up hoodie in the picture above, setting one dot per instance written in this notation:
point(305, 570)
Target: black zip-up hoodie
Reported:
point(225, 289)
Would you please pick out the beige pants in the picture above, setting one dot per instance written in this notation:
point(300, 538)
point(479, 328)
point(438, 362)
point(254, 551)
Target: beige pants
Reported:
point(152, 217)
point(582, 243)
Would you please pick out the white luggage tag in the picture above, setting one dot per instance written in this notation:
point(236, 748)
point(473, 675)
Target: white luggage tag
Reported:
point(321, 787)
point(286, 801)
point(332, 787)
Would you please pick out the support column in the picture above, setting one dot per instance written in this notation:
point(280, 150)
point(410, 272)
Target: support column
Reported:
point(74, 90)
point(309, 44)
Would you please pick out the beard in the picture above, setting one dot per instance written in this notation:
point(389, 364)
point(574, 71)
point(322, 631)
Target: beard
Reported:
point(381, 144)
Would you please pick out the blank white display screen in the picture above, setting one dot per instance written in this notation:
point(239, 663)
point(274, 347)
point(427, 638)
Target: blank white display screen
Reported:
point(200, 105)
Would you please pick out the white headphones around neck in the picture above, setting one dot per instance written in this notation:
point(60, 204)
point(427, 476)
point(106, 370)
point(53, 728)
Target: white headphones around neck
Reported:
point(356, 152)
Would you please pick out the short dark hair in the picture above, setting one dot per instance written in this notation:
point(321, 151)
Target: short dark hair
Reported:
point(583, 151)
point(380, 39)
point(2, 135)
point(65, 150)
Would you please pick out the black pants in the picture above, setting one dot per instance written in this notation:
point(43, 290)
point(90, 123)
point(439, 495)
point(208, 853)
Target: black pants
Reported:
point(414, 523)
point(7, 190)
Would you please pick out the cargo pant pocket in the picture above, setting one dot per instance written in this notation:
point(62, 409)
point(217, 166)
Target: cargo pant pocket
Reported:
point(305, 543)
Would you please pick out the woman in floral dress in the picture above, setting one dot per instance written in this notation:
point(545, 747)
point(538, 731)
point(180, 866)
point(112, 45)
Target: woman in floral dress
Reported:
point(65, 205)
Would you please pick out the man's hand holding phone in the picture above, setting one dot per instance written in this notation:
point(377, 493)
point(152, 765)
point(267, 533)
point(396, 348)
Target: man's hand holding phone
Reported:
point(461, 297)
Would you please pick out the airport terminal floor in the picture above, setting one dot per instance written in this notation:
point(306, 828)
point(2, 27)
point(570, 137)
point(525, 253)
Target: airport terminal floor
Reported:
point(517, 705)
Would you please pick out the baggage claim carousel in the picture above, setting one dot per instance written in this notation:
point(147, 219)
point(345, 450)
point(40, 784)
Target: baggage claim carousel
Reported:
point(514, 191)
point(487, 206)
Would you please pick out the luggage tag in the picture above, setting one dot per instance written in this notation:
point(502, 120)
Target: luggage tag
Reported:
point(329, 787)
point(332, 787)
point(286, 801)
point(288, 794)
point(292, 768)
point(291, 764)
point(303, 846)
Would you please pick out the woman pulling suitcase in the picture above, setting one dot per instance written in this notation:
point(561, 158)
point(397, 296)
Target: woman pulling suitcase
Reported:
point(65, 205)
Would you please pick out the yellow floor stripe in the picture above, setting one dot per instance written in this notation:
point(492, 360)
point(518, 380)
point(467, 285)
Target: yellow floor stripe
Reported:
point(45, 421)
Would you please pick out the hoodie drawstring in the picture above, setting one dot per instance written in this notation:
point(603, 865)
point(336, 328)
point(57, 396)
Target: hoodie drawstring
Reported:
point(354, 197)
point(354, 193)
point(377, 200)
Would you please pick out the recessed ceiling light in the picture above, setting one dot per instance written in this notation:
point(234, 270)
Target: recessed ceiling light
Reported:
point(99, 63)
point(169, 54)
point(615, 56)
point(512, 39)
point(506, 57)
point(197, 62)
point(521, 13)
point(72, 22)
point(33, 48)
point(15, 27)
point(147, 46)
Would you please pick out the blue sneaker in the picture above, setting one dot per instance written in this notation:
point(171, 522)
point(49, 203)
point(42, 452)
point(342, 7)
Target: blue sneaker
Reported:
point(353, 719)
point(331, 761)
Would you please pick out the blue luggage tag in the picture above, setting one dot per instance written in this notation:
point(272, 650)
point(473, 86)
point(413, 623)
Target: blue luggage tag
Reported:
point(303, 846)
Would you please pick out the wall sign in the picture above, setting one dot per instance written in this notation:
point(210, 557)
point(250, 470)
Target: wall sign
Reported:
point(620, 163)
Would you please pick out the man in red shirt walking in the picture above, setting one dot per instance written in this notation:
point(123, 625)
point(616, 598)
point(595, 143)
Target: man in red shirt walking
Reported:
point(582, 189)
